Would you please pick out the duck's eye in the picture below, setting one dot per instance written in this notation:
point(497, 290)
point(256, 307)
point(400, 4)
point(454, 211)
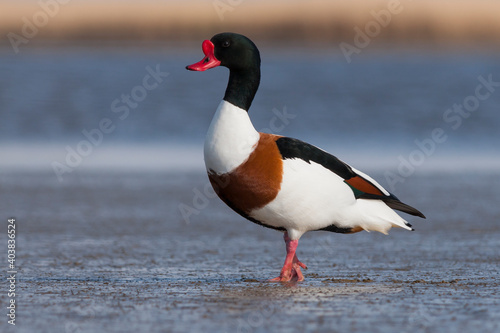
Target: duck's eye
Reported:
point(226, 43)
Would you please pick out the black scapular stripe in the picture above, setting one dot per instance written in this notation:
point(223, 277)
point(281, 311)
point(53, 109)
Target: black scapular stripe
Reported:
point(293, 148)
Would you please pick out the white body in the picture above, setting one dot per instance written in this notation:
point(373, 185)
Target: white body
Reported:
point(311, 197)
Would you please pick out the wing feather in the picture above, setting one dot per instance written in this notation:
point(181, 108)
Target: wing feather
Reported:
point(363, 186)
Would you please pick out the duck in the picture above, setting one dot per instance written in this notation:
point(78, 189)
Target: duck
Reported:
point(280, 182)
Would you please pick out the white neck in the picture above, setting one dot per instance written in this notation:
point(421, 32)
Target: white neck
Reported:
point(230, 139)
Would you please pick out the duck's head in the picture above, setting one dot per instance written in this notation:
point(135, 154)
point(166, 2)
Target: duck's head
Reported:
point(230, 50)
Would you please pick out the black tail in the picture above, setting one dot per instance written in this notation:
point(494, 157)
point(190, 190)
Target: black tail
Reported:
point(394, 203)
point(398, 205)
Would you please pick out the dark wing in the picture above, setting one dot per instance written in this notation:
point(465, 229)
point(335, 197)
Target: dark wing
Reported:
point(362, 188)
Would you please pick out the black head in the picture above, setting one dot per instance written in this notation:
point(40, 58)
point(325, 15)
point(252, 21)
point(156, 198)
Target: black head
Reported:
point(235, 51)
point(230, 50)
point(241, 56)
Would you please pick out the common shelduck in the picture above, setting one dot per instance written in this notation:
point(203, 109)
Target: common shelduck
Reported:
point(279, 182)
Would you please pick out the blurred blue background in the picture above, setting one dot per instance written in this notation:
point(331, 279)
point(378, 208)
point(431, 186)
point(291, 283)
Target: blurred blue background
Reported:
point(63, 66)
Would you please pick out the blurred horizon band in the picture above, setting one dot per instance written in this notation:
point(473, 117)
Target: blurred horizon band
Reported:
point(440, 23)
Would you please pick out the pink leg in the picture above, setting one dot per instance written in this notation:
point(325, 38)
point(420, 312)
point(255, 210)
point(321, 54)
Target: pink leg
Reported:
point(291, 268)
